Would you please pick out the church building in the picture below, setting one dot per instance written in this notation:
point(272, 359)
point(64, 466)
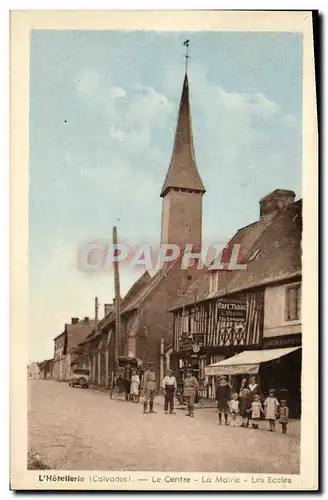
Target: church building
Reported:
point(146, 323)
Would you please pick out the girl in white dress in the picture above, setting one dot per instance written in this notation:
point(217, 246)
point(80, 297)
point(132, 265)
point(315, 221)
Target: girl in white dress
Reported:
point(134, 387)
point(271, 406)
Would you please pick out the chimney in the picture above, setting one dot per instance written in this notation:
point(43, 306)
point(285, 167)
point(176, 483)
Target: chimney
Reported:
point(75, 321)
point(277, 200)
point(108, 308)
point(86, 320)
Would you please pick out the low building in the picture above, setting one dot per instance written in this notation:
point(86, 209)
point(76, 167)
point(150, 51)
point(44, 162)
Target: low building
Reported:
point(46, 369)
point(146, 324)
point(33, 370)
point(248, 309)
point(64, 344)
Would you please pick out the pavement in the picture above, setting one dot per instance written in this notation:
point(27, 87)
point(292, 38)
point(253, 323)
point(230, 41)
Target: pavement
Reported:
point(79, 429)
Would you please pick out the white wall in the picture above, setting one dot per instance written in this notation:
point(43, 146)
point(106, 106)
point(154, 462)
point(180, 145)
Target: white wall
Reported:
point(274, 313)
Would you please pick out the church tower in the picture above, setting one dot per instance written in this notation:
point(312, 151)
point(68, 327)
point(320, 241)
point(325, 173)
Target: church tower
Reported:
point(183, 189)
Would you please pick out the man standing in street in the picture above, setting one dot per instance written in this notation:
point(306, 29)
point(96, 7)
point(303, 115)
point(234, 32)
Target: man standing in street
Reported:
point(169, 384)
point(190, 389)
point(127, 381)
point(149, 387)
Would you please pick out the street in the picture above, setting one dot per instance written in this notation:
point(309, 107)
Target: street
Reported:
point(78, 429)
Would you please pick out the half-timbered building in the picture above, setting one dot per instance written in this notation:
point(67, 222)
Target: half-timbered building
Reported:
point(225, 312)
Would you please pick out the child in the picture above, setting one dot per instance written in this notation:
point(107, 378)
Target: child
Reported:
point(223, 392)
point(283, 415)
point(256, 410)
point(134, 386)
point(244, 404)
point(234, 408)
point(271, 406)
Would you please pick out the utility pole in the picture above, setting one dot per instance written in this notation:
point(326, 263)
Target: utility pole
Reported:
point(96, 311)
point(117, 298)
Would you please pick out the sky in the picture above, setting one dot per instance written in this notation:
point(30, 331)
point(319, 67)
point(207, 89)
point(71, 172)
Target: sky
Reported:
point(103, 110)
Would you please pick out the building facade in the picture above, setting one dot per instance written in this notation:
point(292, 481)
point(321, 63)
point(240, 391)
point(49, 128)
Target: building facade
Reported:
point(227, 312)
point(64, 347)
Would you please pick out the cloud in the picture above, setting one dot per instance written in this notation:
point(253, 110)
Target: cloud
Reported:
point(116, 92)
point(134, 114)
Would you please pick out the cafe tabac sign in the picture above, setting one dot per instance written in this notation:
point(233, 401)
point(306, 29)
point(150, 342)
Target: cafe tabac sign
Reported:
point(232, 310)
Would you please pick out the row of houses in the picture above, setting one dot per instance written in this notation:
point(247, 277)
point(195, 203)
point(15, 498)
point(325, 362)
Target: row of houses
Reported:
point(195, 317)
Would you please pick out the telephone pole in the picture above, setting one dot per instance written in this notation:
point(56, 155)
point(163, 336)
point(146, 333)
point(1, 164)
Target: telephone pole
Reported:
point(117, 298)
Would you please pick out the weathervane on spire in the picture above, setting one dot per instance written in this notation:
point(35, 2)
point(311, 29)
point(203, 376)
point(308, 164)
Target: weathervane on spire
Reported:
point(186, 44)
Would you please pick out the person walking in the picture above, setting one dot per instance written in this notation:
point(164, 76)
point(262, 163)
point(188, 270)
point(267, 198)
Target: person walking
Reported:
point(169, 384)
point(223, 395)
point(283, 415)
point(271, 406)
point(190, 385)
point(135, 385)
point(149, 387)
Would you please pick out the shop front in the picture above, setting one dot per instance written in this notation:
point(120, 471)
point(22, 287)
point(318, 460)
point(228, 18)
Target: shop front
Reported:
point(276, 368)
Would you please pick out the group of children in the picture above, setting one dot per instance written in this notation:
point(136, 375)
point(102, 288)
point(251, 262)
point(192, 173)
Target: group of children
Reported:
point(249, 406)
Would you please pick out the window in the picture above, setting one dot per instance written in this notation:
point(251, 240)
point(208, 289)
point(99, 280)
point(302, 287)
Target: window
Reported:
point(293, 302)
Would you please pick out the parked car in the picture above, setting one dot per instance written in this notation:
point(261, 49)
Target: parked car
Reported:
point(79, 376)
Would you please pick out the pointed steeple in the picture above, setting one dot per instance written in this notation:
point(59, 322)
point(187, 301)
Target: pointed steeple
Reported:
point(183, 173)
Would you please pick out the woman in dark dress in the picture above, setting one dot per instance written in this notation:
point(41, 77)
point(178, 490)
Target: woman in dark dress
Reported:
point(253, 388)
point(244, 402)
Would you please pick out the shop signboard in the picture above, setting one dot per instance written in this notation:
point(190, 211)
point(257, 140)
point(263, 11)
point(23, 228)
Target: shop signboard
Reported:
point(198, 338)
point(186, 342)
point(232, 310)
point(232, 369)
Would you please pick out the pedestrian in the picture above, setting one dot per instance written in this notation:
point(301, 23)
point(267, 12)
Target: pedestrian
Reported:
point(253, 388)
point(243, 384)
point(190, 385)
point(283, 415)
point(169, 384)
point(149, 387)
point(134, 386)
point(271, 406)
point(127, 381)
point(234, 408)
point(223, 395)
point(256, 410)
point(244, 406)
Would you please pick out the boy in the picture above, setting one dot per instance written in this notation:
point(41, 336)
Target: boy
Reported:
point(223, 393)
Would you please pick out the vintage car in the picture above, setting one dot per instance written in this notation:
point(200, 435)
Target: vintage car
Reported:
point(79, 376)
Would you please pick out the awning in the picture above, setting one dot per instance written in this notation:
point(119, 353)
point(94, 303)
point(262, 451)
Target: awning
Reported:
point(247, 362)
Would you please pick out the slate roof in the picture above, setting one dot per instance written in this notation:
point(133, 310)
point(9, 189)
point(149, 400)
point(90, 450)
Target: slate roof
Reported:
point(127, 304)
point(275, 240)
point(183, 172)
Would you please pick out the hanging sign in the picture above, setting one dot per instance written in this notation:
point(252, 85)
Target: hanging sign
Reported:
point(232, 310)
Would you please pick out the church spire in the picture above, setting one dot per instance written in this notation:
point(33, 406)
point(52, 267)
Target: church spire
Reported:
point(183, 173)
